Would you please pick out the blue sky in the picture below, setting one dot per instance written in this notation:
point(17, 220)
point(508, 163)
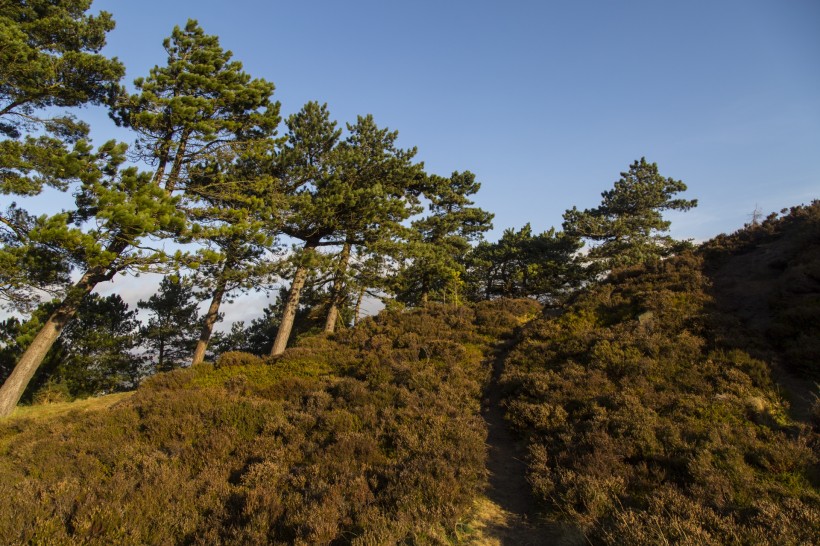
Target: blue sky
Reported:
point(547, 102)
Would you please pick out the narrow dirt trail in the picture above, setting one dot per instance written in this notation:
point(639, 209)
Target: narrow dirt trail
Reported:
point(507, 515)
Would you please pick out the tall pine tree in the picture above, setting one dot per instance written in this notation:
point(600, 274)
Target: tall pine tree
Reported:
point(434, 260)
point(199, 103)
point(628, 226)
point(236, 207)
point(383, 185)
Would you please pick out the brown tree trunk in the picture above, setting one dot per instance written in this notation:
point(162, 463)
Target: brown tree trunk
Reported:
point(337, 290)
point(358, 308)
point(289, 314)
point(159, 173)
point(176, 168)
point(210, 318)
point(16, 383)
point(488, 290)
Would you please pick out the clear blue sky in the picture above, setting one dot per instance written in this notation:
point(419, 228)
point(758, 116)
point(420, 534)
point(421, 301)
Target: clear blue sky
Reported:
point(545, 101)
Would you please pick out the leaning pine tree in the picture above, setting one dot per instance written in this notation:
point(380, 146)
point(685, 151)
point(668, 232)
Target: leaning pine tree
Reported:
point(306, 167)
point(235, 205)
point(198, 104)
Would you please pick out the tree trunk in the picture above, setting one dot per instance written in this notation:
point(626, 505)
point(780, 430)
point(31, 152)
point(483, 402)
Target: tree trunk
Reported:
point(337, 290)
point(16, 383)
point(357, 309)
point(210, 317)
point(161, 357)
point(289, 314)
point(488, 290)
point(159, 173)
point(425, 292)
point(176, 168)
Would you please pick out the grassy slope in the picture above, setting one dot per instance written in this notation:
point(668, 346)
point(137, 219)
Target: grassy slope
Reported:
point(371, 436)
point(648, 421)
point(60, 409)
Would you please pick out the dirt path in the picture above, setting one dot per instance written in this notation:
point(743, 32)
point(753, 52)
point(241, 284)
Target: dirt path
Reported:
point(507, 516)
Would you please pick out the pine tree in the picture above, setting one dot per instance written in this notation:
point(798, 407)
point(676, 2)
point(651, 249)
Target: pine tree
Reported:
point(172, 323)
point(522, 264)
point(308, 168)
point(199, 104)
point(344, 193)
point(49, 62)
point(434, 260)
point(95, 352)
point(383, 185)
point(235, 206)
point(628, 227)
point(125, 207)
point(202, 107)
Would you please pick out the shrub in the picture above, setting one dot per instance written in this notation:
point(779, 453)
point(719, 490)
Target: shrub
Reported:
point(644, 429)
point(237, 358)
point(52, 392)
point(342, 440)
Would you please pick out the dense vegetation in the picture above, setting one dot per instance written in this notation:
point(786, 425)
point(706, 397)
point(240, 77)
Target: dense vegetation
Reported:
point(370, 436)
point(649, 388)
point(649, 422)
point(208, 170)
point(766, 282)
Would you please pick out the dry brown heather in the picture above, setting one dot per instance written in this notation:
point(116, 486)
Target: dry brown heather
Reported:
point(371, 436)
point(648, 422)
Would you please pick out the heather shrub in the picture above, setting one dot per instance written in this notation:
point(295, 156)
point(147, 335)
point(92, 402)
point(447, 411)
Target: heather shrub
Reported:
point(236, 358)
point(343, 439)
point(767, 286)
point(644, 429)
point(499, 318)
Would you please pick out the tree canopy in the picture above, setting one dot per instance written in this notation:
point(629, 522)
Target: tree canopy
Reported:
point(628, 226)
point(434, 258)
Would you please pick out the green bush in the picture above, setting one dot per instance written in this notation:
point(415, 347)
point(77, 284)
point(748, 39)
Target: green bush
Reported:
point(237, 358)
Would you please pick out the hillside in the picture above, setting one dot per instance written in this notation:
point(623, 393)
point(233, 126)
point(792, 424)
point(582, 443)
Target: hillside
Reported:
point(651, 406)
point(371, 436)
point(654, 408)
point(766, 287)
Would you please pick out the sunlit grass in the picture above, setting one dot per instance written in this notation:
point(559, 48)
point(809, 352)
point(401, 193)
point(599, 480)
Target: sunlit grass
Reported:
point(47, 411)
